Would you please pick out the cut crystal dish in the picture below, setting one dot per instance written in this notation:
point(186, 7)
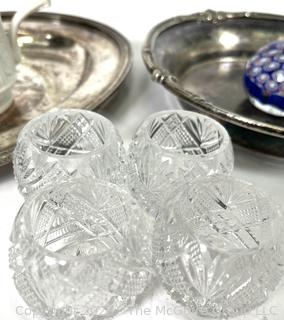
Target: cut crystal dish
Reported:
point(81, 250)
point(66, 144)
point(172, 147)
point(217, 246)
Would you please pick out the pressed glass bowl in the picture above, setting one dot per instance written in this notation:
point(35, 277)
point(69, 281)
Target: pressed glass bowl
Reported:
point(66, 144)
point(172, 147)
point(218, 247)
point(81, 250)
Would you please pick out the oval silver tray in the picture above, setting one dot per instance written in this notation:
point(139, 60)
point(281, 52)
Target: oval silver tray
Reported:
point(201, 59)
point(68, 62)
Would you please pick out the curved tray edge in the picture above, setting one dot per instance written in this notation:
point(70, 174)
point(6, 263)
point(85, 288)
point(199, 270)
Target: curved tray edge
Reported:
point(170, 82)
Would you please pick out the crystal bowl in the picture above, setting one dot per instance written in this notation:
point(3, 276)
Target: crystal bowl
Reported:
point(172, 147)
point(217, 247)
point(66, 144)
point(81, 250)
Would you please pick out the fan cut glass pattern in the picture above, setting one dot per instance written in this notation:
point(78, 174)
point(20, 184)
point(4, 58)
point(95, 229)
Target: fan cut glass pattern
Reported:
point(81, 250)
point(67, 144)
point(172, 147)
point(217, 247)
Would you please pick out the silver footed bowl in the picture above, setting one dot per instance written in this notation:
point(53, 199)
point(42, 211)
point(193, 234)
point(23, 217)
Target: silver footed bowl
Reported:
point(201, 58)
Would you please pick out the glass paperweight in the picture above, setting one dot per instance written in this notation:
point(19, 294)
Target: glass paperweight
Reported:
point(172, 147)
point(264, 79)
point(66, 144)
point(217, 246)
point(81, 250)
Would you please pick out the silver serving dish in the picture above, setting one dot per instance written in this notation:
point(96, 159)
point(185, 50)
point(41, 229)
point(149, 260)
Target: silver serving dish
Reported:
point(201, 59)
point(68, 62)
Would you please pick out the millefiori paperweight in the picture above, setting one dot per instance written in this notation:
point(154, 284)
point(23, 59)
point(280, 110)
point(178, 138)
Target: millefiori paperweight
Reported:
point(66, 144)
point(81, 250)
point(217, 246)
point(172, 147)
point(264, 79)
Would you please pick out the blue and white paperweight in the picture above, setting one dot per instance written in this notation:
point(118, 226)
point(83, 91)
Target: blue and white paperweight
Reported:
point(264, 79)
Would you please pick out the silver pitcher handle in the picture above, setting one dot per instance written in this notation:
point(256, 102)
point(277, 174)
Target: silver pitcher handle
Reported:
point(16, 21)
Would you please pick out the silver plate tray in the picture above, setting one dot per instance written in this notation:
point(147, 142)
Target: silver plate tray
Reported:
point(201, 59)
point(68, 62)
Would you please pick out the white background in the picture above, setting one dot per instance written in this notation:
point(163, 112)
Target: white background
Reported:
point(134, 19)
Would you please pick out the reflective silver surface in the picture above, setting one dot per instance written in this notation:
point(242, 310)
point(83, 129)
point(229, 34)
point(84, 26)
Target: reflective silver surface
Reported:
point(67, 62)
point(201, 59)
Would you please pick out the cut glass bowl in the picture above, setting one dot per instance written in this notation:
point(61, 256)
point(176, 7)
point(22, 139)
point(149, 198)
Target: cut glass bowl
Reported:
point(67, 144)
point(217, 247)
point(81, 250)
point(172, 147)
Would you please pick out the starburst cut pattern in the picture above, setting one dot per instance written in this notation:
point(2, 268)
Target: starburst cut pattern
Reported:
point(81, 248)
point(68, 144)
point(217, 247)
point(174, 147)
